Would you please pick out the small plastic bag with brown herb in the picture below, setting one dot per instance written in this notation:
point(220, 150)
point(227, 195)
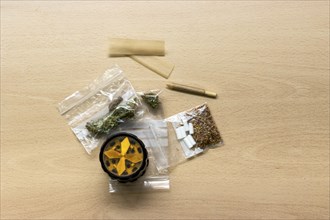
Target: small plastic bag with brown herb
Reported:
point(192, 132)
point(96, 110)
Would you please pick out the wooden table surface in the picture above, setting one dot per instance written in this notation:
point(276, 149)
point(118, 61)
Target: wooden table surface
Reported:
point(267, 60)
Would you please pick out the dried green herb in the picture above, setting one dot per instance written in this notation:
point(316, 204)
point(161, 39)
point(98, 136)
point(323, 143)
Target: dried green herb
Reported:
point(206, 132)
point(120, 114)
point(151, 99)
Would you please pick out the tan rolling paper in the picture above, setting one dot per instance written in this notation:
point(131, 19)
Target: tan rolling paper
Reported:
point(124, 47)
point(159, 66)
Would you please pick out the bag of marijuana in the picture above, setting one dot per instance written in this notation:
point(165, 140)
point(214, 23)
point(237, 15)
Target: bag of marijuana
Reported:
point(151, 98)
point(95, 111)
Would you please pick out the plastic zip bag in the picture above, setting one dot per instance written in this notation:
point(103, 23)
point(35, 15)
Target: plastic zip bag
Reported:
point(151, 98)
point(192, 132)
point(154, 135)
point(96, 110)
point(152, 183)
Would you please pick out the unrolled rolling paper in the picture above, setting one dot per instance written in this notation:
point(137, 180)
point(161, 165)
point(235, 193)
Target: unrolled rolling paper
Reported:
point(123, 47)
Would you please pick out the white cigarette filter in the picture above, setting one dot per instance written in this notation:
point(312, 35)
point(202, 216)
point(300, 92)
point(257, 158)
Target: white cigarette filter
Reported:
point(189, 141)
point(191, 128)
point(124, 47)
point(185, 124)
point(180, 132)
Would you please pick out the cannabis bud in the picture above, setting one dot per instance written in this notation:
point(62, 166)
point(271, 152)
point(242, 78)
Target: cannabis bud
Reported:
point(151, 99)
point(116, 115)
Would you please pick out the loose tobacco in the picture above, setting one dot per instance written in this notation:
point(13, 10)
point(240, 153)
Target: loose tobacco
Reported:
point(205, 130)
point(111, 120)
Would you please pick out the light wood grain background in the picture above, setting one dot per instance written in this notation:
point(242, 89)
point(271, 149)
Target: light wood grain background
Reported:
point(267, 60)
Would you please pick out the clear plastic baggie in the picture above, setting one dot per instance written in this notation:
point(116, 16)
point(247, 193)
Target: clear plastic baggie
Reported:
point(191, 133)
point(96, 110)
point(154, 135)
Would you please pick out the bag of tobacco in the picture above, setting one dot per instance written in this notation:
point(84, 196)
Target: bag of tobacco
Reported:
point(192, 132)
point(96, 110)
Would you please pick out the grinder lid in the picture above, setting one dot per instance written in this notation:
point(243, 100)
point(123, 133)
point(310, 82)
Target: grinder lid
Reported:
point(124, 157)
